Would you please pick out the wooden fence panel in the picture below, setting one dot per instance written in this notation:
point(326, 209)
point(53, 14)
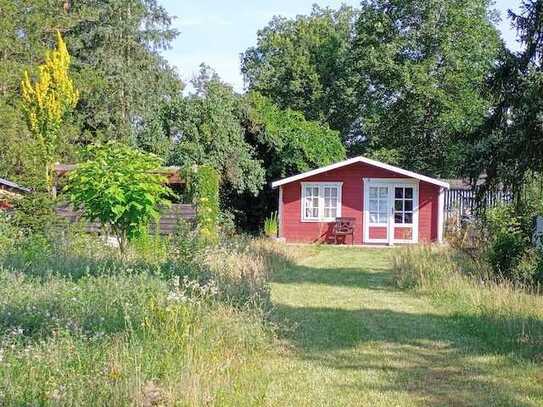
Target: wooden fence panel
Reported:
point(169, 218)
point(462, 203)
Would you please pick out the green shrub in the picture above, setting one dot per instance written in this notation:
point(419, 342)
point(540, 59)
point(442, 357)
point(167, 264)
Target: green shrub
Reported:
point(271, 225)
point(203, 185)
point(129, 189)
point(226, 223)
point(507, 244)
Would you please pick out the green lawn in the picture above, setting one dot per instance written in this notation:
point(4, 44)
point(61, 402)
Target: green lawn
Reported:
point(352, 338)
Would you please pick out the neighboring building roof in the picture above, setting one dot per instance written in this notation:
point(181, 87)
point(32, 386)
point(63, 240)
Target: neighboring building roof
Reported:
point(172, 173)
point(363, 160)
point(13, 185)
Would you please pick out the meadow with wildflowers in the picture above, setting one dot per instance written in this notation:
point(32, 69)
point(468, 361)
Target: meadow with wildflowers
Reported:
point(170, 323)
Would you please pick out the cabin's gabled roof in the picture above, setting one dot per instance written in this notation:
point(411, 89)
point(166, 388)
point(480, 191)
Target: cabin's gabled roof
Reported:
point(363, 160)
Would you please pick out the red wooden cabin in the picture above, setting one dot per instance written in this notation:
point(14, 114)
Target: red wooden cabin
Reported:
point(389, 204)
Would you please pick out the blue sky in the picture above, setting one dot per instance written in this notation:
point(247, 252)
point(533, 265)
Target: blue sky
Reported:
point(216, 32)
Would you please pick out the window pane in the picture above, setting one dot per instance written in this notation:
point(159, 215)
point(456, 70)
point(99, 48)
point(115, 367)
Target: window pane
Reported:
point(398, 192)
point(408, 205)
point(383, 192)
point(333, 212)
point(409, 193)
point(316, 212)
point(333, 203)
point(326, 212)
point(398, 217)
point(408, 218)
point(333, 193)
point(373, 192)
point(373, 217)
point(383, 218)
point(398, 205)
point(373, 205)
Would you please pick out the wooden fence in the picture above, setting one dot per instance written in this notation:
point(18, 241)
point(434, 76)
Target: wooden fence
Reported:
point(461, 202)
point(169, 218)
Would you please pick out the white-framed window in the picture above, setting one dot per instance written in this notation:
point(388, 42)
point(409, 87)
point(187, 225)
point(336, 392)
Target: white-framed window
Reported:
point(321, 201)
point(378, 205)
point(403, 205)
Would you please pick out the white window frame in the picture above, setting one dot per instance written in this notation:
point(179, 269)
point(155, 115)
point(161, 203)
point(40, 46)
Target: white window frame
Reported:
point(378, 224)
point(320, 186)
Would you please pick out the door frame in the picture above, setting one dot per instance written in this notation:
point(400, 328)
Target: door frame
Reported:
point(391, 183)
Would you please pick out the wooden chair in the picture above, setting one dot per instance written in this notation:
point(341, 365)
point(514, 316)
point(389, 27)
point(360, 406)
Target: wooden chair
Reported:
point(344, 227)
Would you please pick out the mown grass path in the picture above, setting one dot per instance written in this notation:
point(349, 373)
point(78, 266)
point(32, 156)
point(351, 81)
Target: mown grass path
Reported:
point(356, 340)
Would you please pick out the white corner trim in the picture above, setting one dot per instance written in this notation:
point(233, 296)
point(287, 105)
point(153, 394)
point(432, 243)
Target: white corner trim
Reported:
point(364, 160)
point(280, 213)
point(440, 214)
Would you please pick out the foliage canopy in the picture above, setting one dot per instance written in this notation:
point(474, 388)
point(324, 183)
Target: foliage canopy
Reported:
point(120, 187)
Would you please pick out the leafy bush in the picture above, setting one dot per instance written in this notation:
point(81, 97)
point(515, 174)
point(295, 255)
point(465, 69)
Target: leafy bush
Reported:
point(203, 185)
point(119, 187)
point(507, 244)
point(271, 225)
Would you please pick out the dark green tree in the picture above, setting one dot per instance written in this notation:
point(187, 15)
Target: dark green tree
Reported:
point(422, 67)
point(116, 64)
point(287, 144)
point(116, 46)
point(508, 147)
point(301, 64)
point(205, 128)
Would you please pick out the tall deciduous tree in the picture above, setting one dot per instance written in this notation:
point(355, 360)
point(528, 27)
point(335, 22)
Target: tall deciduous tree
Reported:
point(286, 143)
point(302, 64)
point(116, 65)
point(117, 44)
point(206, 129)
point(423, 65)
point(47, 101)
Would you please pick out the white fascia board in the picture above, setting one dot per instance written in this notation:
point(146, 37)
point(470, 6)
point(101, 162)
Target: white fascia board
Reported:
point(364, 160)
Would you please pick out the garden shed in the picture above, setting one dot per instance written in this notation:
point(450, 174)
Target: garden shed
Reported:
point(9, 191)
point(387, 204)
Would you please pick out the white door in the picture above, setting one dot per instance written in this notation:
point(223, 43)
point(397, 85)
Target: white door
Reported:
point(405, 215)
point(390, 211)
point(377, 213)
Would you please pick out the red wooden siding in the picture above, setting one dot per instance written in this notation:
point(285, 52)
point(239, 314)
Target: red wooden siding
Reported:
point(294, 230)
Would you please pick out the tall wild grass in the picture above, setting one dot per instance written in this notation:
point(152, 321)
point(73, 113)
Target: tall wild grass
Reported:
point(171, 323)
point(508, 316)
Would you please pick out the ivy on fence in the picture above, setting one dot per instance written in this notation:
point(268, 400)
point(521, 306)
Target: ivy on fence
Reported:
point(203, 187)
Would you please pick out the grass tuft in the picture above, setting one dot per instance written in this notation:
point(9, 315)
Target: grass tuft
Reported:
point(508, 316)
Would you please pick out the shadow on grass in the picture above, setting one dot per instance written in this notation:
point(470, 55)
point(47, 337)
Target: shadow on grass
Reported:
point(427, 355)
point(438, 359)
